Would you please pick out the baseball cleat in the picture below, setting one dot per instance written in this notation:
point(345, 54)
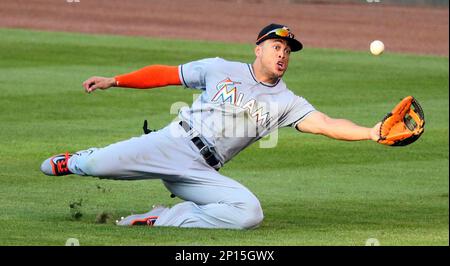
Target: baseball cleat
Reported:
point(148, 218)
point(56, 165)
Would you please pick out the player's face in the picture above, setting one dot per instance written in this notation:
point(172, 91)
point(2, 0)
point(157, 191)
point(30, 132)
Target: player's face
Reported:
point(274, 57)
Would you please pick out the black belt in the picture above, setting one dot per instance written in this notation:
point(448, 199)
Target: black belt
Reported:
point(205, 150)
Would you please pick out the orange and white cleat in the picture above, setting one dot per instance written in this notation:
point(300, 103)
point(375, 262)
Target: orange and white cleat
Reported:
point(148, 218)
point(57, 165)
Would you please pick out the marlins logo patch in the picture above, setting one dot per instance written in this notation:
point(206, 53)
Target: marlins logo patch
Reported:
point(227, 91)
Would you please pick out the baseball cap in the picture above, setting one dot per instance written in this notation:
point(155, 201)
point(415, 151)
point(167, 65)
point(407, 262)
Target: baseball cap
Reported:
point(278, 31)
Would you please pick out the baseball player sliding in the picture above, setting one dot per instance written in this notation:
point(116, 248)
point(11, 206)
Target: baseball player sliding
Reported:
point(240, 103)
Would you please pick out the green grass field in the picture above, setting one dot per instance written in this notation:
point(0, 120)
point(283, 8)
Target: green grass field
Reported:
point(314, 190)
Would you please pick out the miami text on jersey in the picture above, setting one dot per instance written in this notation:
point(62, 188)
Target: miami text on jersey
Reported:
point(227, 92)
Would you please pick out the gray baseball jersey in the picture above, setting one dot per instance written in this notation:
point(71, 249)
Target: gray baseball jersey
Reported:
point(235, 109)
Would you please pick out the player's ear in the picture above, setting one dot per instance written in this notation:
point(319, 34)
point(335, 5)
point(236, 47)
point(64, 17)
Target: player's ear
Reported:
point(258, 50)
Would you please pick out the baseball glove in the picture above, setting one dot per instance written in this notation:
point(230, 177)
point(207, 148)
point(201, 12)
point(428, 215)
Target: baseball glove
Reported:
point(403, 125)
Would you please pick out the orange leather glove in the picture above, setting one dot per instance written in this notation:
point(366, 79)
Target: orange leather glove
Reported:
point(404, 124)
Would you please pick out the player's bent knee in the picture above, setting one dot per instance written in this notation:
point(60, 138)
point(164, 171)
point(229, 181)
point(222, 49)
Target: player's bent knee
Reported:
point(253, 220)
point(253, 215)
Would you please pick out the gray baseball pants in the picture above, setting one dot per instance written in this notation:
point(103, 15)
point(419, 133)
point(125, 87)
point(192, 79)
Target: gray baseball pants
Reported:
point(211, 199)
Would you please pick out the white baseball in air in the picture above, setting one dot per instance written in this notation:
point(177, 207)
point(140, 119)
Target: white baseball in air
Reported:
point(376, 47)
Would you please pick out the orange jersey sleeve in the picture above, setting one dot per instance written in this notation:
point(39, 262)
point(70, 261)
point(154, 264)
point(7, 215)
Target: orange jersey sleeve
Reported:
point(149, 77)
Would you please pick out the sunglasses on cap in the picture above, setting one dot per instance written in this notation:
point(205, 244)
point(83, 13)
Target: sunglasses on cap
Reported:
point(282, 32)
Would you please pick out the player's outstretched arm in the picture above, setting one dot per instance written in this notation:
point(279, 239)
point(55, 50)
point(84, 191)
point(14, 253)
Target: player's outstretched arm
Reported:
point(341, 129)
point(148, 77)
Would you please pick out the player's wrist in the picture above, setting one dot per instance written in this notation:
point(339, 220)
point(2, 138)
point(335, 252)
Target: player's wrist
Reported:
point(374, 132)
point(114, 82)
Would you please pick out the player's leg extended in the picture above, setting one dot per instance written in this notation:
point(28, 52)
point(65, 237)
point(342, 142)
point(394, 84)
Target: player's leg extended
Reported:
point(212, 201)
point(144, 157)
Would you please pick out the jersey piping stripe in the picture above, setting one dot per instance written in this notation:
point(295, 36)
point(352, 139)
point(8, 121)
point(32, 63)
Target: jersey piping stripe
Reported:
point(262, 83)
point(301, 118)
point(182, 76)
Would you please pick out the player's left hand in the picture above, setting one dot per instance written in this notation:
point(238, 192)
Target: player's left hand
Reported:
point(404, 124)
